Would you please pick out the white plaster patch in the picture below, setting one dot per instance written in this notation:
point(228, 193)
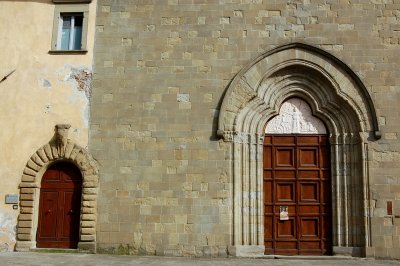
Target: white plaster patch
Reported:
point(183, 97)
point(295, 117)
point(7, 232)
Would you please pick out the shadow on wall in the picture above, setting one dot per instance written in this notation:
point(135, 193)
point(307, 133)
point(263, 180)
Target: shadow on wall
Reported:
point(214, 135)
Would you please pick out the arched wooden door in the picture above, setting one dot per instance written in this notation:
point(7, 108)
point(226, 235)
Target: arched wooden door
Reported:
point(297, 195)
point(59, 207)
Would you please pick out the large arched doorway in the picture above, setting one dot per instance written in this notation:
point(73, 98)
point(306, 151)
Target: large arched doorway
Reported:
point(336, 96)
point(297, 183)
point(59, 207)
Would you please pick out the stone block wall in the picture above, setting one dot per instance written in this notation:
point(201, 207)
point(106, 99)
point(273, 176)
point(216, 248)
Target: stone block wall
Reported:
point(160, 72)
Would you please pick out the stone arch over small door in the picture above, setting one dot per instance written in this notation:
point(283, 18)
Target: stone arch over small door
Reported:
point(59, 149)
point(337, 97)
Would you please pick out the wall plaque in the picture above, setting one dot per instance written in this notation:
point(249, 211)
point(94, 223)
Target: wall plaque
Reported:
point(12, 199)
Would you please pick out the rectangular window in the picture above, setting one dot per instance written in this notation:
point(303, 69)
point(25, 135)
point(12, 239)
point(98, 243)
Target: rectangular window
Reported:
point(70, 32)
point(70, 28)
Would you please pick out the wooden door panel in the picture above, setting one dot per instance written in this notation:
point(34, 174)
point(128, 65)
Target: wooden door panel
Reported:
point(70, 174)
point(286, 247)
point(51, 175)
point(61, 186)
point(308, 140)
point(309, 227)
point(267, 157)
point(309, 209)
point(268, 223)
point(284, 140)
point(308, 157)
point(285, 192)
point(308, 174)
point(284, 174)
point(268, 192)
point(284, 157)
point(48, 215)
point(297, 176)
point(286, 229)
point(325, 161)
point(70, 216)
point(309, 192)
point(310, 245)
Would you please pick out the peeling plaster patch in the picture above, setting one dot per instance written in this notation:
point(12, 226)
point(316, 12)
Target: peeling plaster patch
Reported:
point(83, 78)
point(86, 115)
point(79, 79)
point(7, 232)
point(72, 98)
point(47, 108)
point(46, 83)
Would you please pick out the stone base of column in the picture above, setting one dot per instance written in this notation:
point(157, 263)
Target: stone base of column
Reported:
point(369, 252)
point(23, 246)
point(87, 247)
point(349, 251)
point(246, 251)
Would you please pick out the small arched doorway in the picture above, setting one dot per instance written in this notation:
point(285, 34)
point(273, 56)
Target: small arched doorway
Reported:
point(297, 183)
point(59, 207)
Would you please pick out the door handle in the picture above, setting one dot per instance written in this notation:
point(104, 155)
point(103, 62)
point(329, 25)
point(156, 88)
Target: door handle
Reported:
point(48, 212)
point(70, 212)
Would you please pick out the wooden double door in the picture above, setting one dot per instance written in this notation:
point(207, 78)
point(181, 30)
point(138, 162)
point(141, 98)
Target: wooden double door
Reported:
point(59, 207)
point(297, 195)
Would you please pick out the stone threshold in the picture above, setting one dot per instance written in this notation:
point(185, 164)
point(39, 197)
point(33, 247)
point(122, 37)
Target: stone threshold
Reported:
point(299, 257)
point(55, 250)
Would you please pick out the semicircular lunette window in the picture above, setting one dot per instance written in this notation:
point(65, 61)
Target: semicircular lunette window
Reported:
point(295, 117)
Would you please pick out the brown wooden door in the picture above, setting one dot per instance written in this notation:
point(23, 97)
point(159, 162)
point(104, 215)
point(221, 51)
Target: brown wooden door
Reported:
point(297, 176)
point(59, 207)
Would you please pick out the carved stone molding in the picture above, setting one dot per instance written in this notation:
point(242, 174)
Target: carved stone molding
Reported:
point(59, 148)
point(256, 88)
point(295, 117)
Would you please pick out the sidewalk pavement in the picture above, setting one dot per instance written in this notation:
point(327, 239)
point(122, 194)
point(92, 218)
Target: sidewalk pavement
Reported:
point(77, 259)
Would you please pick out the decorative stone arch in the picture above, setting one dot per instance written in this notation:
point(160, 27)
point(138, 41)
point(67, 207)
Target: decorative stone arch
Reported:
point(58, 149)
point(335, 95)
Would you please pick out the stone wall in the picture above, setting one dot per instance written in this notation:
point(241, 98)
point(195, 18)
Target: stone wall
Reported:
point(160, 72)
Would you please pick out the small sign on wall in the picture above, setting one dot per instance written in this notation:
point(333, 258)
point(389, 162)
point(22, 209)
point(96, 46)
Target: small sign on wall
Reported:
point(12, 199)
point(283, 213)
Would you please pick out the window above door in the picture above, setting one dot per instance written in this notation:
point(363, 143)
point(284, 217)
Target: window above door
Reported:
point(70, 28)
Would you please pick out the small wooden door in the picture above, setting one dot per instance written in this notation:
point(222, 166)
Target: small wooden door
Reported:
point(59, 207)
point(297, 179)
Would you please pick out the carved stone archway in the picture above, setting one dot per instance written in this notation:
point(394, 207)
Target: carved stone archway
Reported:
point(58, 149)
point(335, 95)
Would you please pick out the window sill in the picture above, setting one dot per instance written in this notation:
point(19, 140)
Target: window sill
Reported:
point(71, 1)
point(68, 51)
